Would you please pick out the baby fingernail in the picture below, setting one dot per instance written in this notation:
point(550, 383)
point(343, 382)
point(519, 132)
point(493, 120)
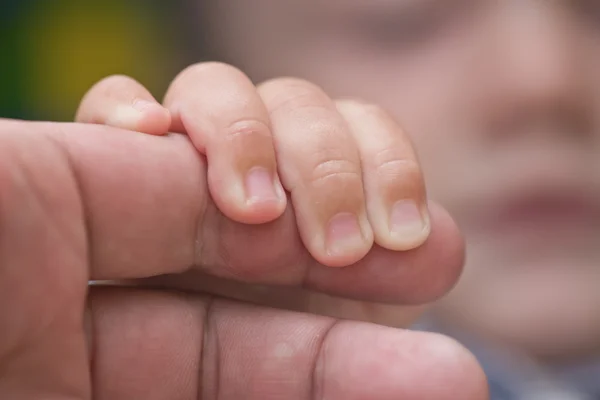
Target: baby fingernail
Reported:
point(343, 234)
point(260, 186)
point(406, 220)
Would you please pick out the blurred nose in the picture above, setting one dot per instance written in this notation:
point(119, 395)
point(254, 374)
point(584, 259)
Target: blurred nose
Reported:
point(535, 73)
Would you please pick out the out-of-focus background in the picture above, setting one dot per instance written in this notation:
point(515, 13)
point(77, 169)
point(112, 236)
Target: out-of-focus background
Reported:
point(53, 51)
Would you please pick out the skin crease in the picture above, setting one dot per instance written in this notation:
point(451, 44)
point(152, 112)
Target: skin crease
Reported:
point(502, 100)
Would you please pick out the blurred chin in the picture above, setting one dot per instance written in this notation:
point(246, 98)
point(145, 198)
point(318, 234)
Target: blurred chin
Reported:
point(549, 312)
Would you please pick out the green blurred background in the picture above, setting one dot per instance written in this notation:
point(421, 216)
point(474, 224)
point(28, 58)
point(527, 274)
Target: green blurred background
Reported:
point(53, 51)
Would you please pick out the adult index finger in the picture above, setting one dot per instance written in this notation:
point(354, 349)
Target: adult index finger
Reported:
point(134, 206)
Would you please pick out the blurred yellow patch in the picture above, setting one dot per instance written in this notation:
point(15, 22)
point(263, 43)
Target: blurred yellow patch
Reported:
point(69, 45)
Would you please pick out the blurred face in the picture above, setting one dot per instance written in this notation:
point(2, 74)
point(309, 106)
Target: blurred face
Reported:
point(502, 99)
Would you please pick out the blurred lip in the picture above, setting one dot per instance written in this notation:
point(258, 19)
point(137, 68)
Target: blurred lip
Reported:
point(544, 212)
